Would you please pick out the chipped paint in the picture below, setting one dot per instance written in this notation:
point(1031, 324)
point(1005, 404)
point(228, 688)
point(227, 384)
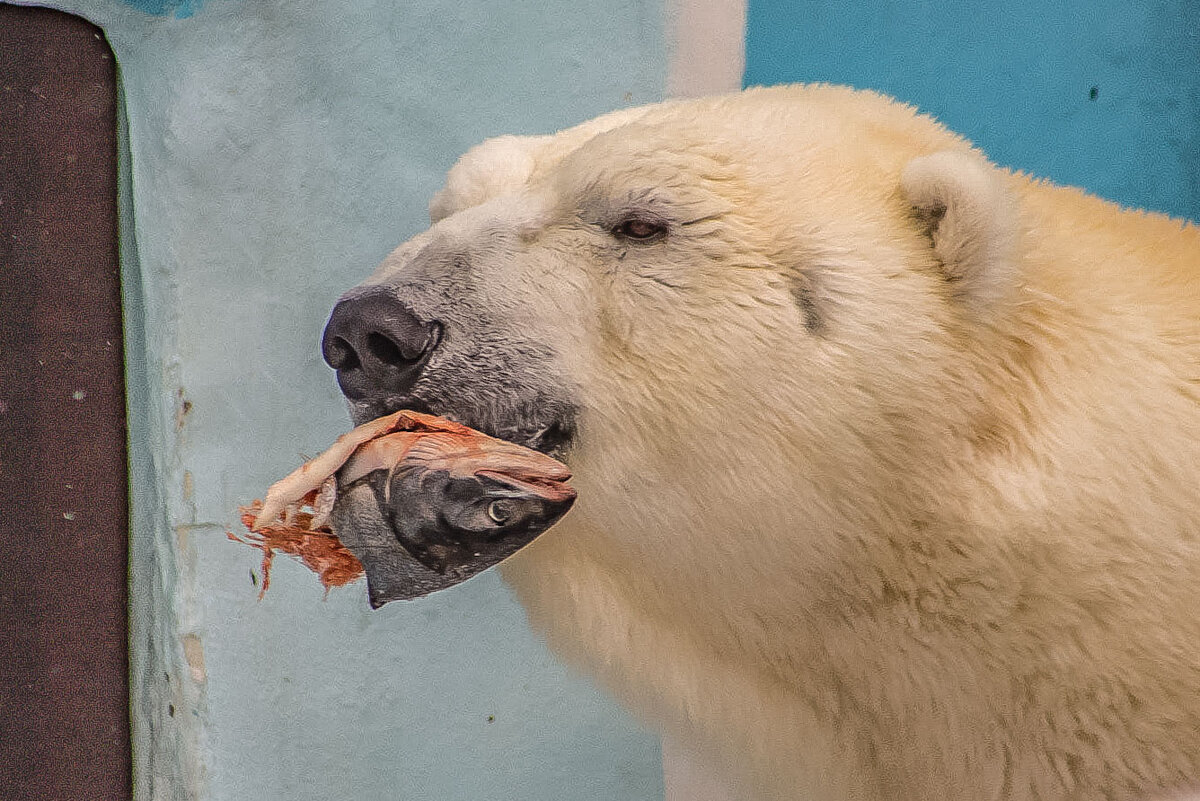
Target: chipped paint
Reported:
point(183, 408)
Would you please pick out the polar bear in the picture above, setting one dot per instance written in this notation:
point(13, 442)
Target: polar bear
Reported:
point(888, 459)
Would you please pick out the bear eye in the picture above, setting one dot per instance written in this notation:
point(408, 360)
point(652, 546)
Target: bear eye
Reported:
point(640, 230)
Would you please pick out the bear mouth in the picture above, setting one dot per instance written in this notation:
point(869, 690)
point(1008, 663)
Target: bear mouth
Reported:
point(553, 435)
point(553, 439)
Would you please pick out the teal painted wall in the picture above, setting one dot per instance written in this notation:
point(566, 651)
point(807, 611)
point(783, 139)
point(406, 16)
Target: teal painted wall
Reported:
point(1103, 94)
point(275, 151)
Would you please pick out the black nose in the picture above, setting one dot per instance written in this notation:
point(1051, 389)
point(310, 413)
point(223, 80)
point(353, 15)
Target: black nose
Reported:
point(377, 344)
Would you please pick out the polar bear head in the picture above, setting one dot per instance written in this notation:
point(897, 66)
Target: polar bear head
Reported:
point(705, 307)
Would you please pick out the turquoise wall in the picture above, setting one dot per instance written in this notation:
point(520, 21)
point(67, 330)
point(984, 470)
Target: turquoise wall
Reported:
point(1103, 94)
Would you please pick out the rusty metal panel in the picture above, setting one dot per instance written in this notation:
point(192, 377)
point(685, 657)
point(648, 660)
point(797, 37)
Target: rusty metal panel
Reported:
point(64, 727)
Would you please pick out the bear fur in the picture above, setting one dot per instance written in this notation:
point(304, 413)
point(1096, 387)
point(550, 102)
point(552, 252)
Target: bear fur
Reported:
point(888, 459)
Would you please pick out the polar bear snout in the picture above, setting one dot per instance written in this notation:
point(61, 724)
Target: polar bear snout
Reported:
point(445, 327)
point(377, 345)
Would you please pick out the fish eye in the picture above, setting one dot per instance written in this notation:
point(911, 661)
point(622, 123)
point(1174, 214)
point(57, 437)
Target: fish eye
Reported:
point(501, 511)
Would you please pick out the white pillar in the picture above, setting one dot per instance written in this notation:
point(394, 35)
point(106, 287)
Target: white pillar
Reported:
point(706, 46)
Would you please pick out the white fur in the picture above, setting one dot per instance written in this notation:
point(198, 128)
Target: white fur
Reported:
point(493, 168)
point(873, 503)
point(975, 227)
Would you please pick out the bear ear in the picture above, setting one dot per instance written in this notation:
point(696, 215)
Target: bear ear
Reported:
point(496, 167)
point(971, 218)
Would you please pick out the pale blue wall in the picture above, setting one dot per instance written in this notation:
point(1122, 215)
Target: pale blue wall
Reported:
point(1016, 78)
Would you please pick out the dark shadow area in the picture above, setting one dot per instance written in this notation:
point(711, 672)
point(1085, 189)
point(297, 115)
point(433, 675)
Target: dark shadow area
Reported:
point(64, 720)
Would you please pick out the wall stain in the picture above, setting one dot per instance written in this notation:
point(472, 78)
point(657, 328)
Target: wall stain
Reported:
point(193, 652)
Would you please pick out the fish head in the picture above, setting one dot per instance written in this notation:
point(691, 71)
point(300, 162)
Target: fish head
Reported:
point(422, 526)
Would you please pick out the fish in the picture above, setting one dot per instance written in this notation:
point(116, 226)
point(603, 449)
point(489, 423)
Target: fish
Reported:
point(422, 502)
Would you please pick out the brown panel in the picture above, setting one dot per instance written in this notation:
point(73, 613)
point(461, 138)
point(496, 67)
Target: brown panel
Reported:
point(64, 728)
